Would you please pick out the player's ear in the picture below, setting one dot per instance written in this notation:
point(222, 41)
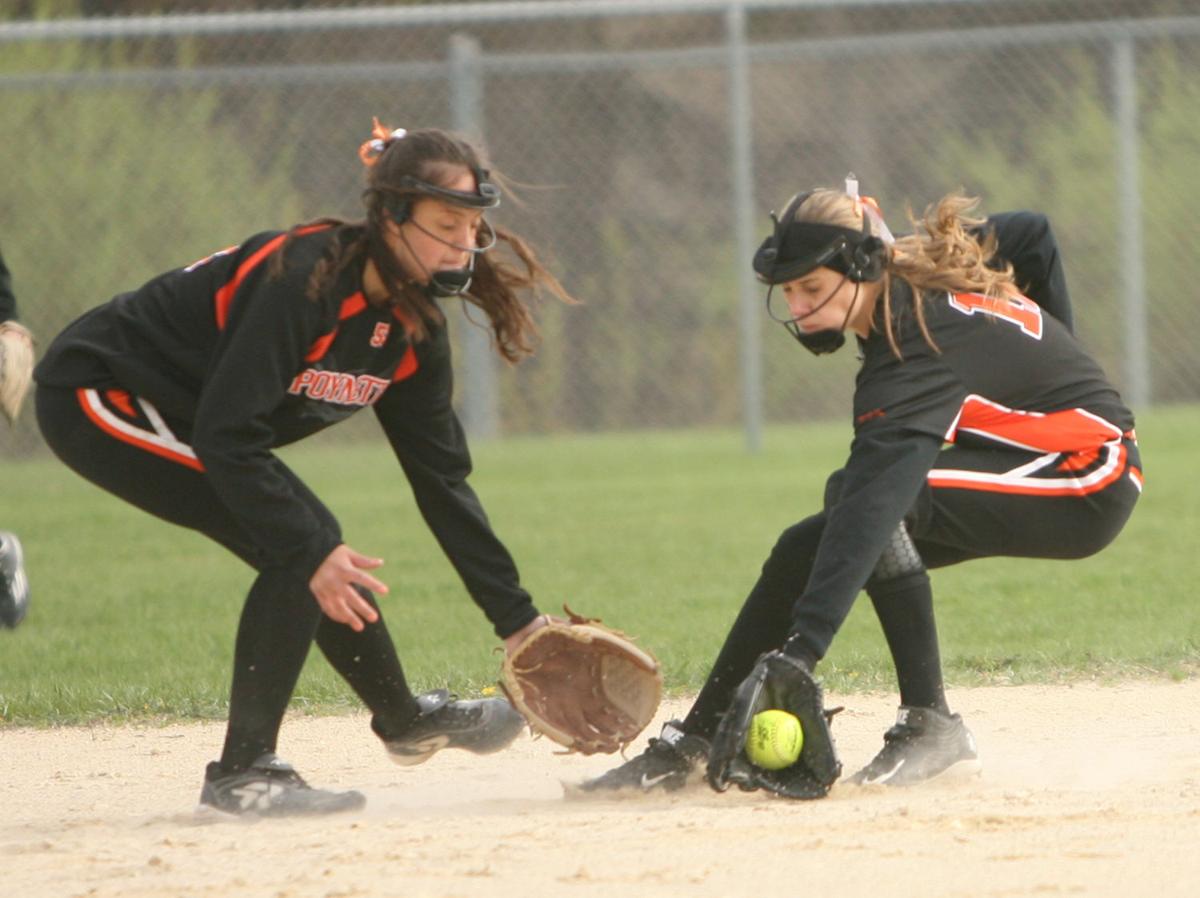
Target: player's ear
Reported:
point(391, 227)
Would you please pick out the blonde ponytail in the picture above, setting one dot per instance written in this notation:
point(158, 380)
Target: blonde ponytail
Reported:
point(942, 255)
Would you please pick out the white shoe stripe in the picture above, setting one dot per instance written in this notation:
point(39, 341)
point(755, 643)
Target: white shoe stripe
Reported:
point(884, 777)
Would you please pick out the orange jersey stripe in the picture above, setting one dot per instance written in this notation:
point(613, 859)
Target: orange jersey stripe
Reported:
point(1071, 430)
point(120, 398)
point(224, 296)
point(320, 346)
point(351, 306)
point(164, 447)
point(1018, 482)
point(407, 367)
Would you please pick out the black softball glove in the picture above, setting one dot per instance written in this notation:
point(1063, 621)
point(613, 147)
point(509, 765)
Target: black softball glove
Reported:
point(782, 682)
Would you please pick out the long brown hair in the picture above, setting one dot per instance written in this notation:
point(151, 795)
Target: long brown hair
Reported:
point(942, 254)
point(435, 157)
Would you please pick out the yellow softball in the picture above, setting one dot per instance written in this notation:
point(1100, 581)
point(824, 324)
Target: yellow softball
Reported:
point(774, 740)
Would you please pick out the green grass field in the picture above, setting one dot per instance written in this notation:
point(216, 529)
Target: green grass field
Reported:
point(660, 534)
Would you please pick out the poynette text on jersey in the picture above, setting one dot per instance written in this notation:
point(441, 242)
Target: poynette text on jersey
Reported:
point(338, 387)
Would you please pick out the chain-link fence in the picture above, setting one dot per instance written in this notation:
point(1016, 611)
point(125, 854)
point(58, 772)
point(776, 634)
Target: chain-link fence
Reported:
point(651, 139)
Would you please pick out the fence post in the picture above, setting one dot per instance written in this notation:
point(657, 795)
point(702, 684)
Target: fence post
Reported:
point(480, 398)
point(1129, 225)
point(742, 153)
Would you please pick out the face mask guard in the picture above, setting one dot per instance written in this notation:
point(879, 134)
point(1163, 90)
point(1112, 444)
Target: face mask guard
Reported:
point(454, 281)
point(820, 342)
point(797, 247)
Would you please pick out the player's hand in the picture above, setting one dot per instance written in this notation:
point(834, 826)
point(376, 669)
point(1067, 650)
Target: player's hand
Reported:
point(515, 639)
point(333, 587)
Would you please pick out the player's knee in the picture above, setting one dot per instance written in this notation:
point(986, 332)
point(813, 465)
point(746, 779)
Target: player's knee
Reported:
point(899, 560)
point(794, 551)
point(833, 488)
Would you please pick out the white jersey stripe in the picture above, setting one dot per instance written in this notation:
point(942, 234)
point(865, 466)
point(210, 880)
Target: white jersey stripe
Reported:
point(163, 439)
point(1018, 479)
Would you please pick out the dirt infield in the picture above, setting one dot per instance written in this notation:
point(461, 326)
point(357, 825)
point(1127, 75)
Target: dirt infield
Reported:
point(1087, 790)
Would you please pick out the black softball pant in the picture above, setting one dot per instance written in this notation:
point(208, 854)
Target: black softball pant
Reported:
point(977, 502)
point(123, 445)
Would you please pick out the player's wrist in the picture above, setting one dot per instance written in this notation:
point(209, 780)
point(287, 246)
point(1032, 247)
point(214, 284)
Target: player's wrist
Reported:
point(796, 648)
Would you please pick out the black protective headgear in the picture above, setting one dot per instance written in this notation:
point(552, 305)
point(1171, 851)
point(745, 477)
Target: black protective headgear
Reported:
point(486, 195)
point(797, 247)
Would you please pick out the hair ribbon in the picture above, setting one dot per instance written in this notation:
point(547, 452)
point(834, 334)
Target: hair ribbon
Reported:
point(868, 207)
point(381, 138)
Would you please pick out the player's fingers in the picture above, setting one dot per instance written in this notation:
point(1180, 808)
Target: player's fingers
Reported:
point(361, 608)
point(363, 562)
point(335, 607)
point(371, 583)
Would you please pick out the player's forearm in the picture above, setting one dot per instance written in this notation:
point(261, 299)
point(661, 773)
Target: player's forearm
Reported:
point(883, 479)
point(458, 522)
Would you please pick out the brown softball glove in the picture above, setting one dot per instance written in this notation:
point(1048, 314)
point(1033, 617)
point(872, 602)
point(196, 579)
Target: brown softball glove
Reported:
point(582, 684)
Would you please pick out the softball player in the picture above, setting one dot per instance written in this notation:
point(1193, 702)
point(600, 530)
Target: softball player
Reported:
point(16, 359)
point(981, 428)
point(173, 397)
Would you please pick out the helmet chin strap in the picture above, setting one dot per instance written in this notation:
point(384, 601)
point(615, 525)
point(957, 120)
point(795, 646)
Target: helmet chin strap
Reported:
point(452, 281)
point(826, 340)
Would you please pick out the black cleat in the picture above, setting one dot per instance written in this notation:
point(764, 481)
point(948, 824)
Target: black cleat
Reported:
point(481, 726)
point(923, 745)
point(668, 764)
point(14, 585)
point(270, 788)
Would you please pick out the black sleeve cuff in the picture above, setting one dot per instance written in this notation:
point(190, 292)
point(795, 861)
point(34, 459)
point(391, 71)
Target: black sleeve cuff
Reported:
point(511, 625)
point(314, 554)
point(795, 647)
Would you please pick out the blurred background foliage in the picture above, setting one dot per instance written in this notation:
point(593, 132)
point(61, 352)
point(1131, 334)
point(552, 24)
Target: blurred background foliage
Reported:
point(137, 150)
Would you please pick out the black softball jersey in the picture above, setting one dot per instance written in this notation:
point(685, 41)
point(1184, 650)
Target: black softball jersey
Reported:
point(235, 359)
point(1005, 377)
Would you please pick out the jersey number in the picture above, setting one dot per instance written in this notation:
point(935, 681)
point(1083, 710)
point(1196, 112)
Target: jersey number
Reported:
point(379, 337)
point(1024, 313)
